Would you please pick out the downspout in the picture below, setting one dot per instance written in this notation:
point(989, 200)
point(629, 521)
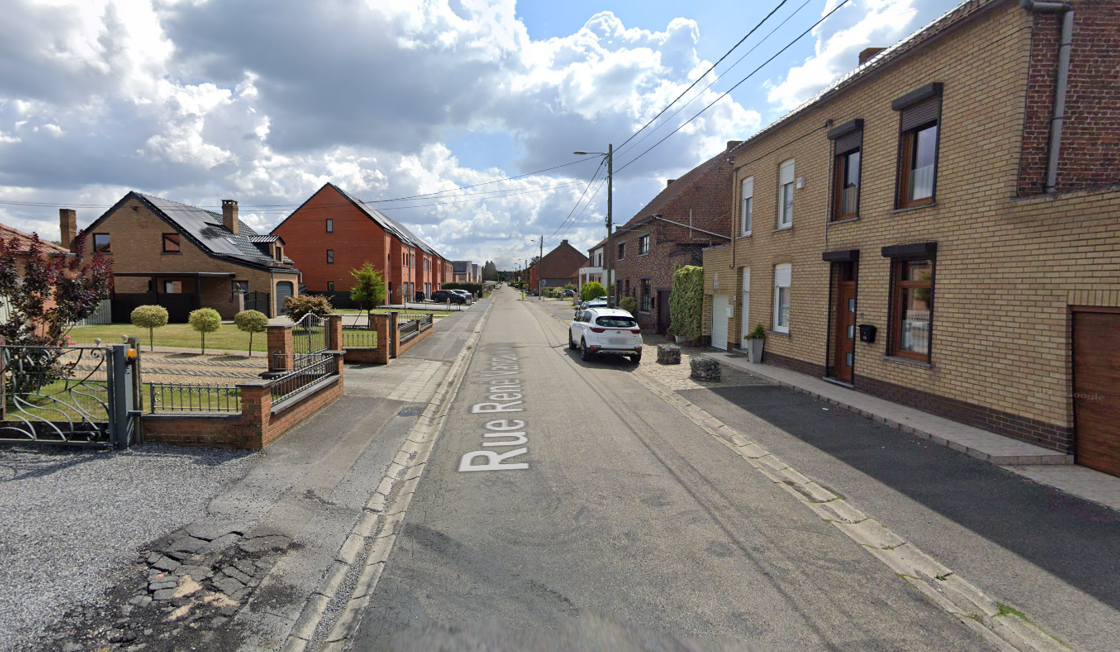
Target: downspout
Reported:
point(1058, 119)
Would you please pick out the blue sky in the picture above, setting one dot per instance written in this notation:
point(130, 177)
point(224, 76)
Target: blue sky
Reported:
point(264, 101)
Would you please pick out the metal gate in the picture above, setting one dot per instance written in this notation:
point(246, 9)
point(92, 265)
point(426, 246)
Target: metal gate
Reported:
point(258, 301)
point(73, 395)
point(309, 340)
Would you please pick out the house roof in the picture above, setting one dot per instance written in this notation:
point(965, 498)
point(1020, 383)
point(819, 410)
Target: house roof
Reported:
point(206, 230)
point(967, 10)
point(676, 188)
point(9, 234)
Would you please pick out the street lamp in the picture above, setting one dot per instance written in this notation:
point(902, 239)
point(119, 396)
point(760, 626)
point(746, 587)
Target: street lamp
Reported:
point(610, 196)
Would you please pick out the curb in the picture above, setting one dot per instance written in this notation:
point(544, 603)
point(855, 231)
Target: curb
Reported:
point(377, 528)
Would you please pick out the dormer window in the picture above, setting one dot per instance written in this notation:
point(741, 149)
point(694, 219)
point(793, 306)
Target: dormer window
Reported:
point(279, 253)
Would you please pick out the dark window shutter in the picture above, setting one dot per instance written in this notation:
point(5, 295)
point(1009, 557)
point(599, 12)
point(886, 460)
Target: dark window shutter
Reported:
point(849, 142)
point(921, 113)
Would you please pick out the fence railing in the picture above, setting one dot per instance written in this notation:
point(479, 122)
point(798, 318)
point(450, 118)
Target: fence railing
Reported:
point(411, 325)
point(182, 397)
point(309, 335)
point(358, 337)
point(302, 378)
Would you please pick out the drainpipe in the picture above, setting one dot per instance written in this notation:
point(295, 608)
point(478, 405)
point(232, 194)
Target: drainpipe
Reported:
point(1058, 119)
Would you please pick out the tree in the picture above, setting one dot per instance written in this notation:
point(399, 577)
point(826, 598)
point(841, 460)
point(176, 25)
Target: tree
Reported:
point(592, 290)
point(305, 304)
point(47, 294)
point(489, 271)
point(150, 317)
point(205, 320)
point(369, 288)
point(250, 321)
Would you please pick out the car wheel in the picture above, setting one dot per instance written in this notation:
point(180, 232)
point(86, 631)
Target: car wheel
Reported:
point(571, 342)
point(636, 358)
point(584, 354)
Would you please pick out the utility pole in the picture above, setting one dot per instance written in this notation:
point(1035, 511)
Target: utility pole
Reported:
point(540, 270)
point(607, 282)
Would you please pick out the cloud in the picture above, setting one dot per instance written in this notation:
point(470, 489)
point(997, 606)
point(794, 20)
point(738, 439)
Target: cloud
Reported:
point(266, 100)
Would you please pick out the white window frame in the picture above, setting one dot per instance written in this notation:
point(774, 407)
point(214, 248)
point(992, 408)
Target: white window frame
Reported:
point(783, 275)
point(745, 323)
point(643, 239)
point(746, 208)
point(786, 174)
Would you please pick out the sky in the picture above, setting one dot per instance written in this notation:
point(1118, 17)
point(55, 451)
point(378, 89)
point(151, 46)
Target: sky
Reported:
point(423, 108)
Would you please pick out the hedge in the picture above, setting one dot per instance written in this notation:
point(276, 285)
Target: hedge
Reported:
point(686, 303)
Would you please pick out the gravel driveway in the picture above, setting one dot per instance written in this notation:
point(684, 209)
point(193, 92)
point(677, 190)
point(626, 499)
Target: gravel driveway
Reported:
point(72, 520)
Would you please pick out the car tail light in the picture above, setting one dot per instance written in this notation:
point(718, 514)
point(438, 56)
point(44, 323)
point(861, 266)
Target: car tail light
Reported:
point(636, 330)
point(598, 330)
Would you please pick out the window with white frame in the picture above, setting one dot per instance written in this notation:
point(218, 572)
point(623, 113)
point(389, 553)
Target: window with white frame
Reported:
point(782, 274)
point(785, 195)
point(747, 211)
point(643, 245)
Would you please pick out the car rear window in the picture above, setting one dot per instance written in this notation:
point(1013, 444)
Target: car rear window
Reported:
point(616, 322)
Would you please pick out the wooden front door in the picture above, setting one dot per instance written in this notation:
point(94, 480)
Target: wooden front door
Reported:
point(663, 311)
point(1096, 389)
point(845, 333)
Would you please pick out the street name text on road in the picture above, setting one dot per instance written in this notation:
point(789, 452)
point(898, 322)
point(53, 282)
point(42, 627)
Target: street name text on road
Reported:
point(505, 395)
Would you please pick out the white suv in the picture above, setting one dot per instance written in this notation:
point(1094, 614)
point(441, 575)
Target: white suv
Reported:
point(606, 331)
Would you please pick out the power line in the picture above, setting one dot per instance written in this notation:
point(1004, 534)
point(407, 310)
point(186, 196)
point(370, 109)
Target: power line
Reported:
point(739, 83)
point(580, 199)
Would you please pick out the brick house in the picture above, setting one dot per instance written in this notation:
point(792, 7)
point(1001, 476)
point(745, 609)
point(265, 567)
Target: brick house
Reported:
point(691, 213)
point(593, 271)
point(333, 233)
point(183, 258)
point(558, 268)
point(910, 197)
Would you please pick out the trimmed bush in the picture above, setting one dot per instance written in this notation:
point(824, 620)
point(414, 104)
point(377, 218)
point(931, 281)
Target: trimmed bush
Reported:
point(251, 321)
point(205, 320)
point(150, 317)
point(629, 304)
point(592, 290)
point(686, 303)
point(299, 307)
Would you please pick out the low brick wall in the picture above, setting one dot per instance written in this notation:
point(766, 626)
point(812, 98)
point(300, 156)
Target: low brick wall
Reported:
point(401, 348)
point(367, 356)
point(259, 423)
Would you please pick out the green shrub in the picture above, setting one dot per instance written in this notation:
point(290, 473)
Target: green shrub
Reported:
point(629, 304)
point(369, 287)
point(305, 304)
point(251, 321)
point(205, 320)
point(686, 302)
point(758, 333)
point(150, 317)
point(592, 290)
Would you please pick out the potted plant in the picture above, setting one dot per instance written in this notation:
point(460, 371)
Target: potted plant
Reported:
point(754, 341)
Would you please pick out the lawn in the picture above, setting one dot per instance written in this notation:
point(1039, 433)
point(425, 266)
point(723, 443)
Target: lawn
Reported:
point(181, 335)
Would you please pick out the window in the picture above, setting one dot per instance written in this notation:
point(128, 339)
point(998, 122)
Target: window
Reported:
point(782, 274)
point(785, 195)
point(746, 213)
point(621, 250)
point(646, 292)
point(101, 243)
point(171, 243)
point(616, 321)
point(330, 226)
point(643, 245)
point(279, 253)
point(847, 144)
point(172, 287)
point(330, 286)
point(330, 256)
point(919, 126)
point(912, 307)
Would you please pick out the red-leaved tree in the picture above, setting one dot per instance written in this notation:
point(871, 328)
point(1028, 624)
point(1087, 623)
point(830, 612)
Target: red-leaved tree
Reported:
point(46, 295)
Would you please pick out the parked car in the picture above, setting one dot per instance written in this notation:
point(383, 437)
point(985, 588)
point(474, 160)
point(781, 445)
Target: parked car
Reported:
point(443, 296)
point(567, 293)
point(600, 302)
point(465, 294)
point(605, 331)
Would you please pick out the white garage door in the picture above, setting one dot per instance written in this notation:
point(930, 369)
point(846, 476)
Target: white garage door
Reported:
point(719, 321)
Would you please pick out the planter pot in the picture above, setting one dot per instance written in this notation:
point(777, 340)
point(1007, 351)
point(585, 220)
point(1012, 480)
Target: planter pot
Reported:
point(754, 350)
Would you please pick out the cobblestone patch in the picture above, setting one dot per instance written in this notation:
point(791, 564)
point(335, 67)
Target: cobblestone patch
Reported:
point(181, 593)
point(678, 377)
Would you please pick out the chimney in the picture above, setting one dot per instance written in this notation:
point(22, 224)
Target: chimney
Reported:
point(868, 53)
point(669, 182)
point(67, 227)
point(229, 215)
point(731, 144)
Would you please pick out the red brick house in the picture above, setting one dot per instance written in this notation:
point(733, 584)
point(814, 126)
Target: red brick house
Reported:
point(558, 268)
point(691, 213)
point(334, 232)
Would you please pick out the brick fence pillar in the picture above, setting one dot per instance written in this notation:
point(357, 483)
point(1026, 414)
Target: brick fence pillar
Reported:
point(281, 353)
point(394, 333)
point(256, 409)
point(334, 332)
point(380, 323)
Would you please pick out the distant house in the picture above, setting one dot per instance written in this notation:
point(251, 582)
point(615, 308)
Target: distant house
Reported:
point(20, 242)
point(333, 233)
point(593, 272)
point(559, 267)
point(691, 213)
point(463, 271)
point(184, 258)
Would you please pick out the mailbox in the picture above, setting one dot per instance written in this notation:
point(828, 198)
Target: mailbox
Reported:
point(867, 333)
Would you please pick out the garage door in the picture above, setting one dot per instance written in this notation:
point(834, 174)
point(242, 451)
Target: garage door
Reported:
point(1096, 386)
point(719, 321)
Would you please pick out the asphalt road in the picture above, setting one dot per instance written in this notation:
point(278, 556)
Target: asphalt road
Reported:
point(613, 522)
